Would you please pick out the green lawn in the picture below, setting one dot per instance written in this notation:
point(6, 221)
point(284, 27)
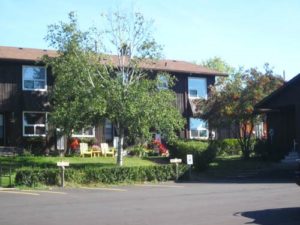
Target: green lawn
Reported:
point(75, 162)
point(5, 182)
point(231, 166)
point(43, 161)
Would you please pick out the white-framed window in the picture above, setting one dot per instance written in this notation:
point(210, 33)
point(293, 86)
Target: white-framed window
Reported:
point(34, 123)
point(198, 129)
point(85, 132)
point(197, 87)
point(34, 78)
point(163, 83)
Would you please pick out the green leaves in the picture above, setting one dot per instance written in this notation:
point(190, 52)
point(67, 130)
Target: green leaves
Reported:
point(89, 86)
point(77, 94)
point(232, 100)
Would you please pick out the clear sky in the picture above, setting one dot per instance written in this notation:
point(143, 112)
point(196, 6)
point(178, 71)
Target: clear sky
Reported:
point(243, 32)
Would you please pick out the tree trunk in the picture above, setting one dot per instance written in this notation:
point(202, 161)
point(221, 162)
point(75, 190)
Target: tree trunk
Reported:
point(120, 147)
point(245, 139)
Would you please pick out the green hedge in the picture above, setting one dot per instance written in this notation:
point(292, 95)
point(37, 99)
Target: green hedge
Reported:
point(202, 153)
point(226, 147)
point(33, 176)
point(113, 175)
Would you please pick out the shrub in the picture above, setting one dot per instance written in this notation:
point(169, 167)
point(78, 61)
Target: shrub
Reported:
point(267, 151)
point(35, 145)
point(226, 147)
point(32, 177)
point(138, 150)
point(202, 153)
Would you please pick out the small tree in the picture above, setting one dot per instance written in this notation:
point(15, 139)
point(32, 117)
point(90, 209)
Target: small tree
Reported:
point(76, 98)
point(135, 105)
point(232, 101)
point(91, 85)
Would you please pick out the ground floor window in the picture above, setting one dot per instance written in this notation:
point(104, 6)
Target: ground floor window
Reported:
point(84, 132)
point(198, 129)
point(34, 123)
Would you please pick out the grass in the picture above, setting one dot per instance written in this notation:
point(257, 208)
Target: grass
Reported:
point(75, 162)
point(231, 166)
point(43, 161)
point(5, 181)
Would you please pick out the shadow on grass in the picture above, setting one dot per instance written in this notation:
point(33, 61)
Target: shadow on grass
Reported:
point(237, 170)
point(279, 216)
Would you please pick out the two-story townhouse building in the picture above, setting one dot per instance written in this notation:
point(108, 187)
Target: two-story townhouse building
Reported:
point(24, 90)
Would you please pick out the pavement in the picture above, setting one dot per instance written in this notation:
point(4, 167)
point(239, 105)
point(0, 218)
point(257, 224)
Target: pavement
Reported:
point(207, 203)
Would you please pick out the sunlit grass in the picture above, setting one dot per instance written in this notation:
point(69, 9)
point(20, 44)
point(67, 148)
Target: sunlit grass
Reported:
point(43, 161)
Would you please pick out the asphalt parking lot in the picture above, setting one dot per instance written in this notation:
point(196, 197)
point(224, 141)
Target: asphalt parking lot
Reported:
point(168, 203)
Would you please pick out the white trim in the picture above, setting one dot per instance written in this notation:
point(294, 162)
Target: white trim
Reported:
point(34, 125)
point(198, 137)
point(85, 135)
point(199, 78)
point(34, 89)
point(198, 130)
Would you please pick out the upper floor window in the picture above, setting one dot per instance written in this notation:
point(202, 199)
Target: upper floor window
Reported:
point(197, 87)
point(34, 123)
point(85, 132)
point(162, 82)
point(34, 78)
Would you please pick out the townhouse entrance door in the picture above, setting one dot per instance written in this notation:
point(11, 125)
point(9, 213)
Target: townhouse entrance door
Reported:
point(1, 129)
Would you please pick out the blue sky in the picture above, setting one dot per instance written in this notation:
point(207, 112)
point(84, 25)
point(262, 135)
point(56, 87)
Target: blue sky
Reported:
point(243, 33)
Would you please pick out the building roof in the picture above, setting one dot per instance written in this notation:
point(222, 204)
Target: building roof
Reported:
point(27, 54)
point(31, 54)
point(265, 103)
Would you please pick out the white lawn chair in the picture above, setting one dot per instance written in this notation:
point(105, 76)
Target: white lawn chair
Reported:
point(106, 151)
point(84, 150)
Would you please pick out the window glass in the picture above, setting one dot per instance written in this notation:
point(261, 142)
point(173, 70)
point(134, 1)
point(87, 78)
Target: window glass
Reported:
point(162, 82)
point(197, 124)
point(29, 130)
point(34, 124)
point(197, 87)
point(198, 128)
point(85, 132)
point(34, 118)
point(40, 130)
point(29, 84)
point(34, 78)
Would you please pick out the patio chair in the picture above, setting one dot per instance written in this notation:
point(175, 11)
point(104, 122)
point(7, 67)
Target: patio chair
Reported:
point(84, 150)
point(106, 151)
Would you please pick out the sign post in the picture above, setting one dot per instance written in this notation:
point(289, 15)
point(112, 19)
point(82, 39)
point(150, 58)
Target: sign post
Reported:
point(190, 162)
point(62, 165)
point(176, 161)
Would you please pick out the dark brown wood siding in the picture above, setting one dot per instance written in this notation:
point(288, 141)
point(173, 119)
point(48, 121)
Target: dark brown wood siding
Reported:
point(13, 101)
point(283, 126)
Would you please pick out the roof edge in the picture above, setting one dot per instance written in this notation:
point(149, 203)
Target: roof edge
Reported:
point(277, 92)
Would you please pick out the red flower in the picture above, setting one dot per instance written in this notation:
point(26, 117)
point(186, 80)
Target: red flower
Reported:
point(161, 148)
point(74, 144)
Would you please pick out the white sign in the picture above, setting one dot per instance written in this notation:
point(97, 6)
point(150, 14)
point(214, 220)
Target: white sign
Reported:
point(189, 159)
point(175, 160)
point(62, 163)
